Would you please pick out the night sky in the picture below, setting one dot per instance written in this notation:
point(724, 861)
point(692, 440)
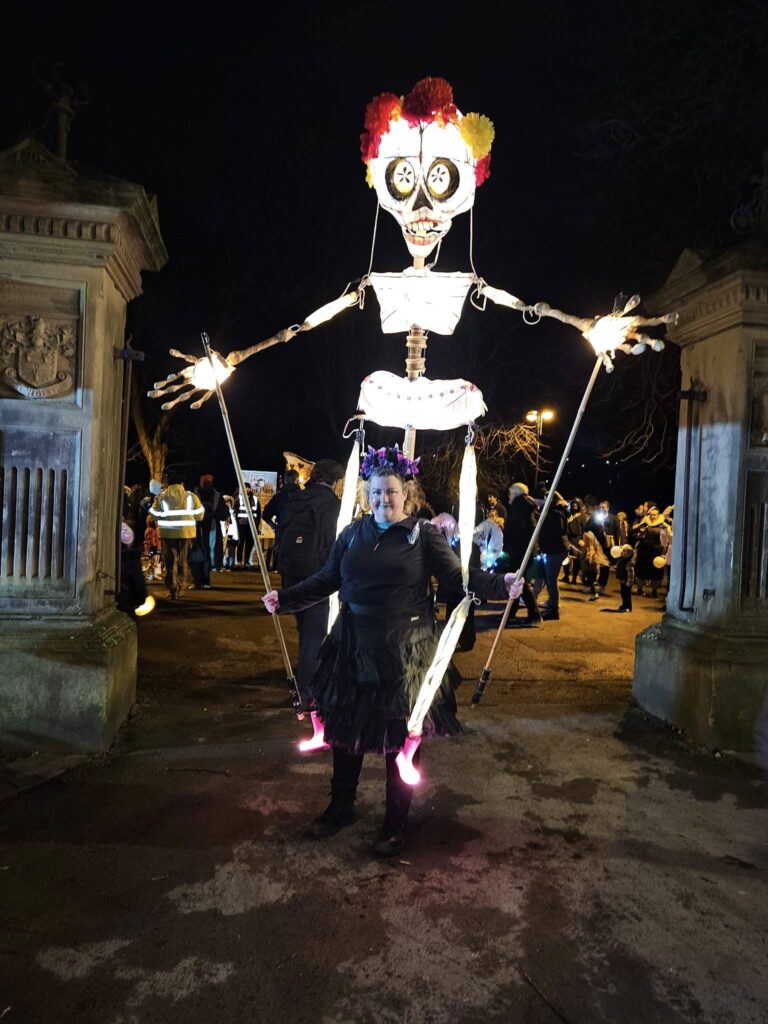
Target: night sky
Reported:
point(624, 131)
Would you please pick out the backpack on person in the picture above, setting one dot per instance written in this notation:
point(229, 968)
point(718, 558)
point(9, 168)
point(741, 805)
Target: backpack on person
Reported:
point(299, 553)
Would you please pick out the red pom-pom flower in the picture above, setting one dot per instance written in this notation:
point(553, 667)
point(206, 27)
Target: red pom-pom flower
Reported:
point(429, 100)
point(482, 170)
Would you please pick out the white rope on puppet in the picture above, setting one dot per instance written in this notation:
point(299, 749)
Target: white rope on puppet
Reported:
point(452, 631)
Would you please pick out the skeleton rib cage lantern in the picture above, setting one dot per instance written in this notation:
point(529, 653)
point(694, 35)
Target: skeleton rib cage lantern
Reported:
point(425, 160)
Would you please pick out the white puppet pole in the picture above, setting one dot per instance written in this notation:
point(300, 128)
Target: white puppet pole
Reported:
point(482, 682)
point(293, 688)
point(452, 629)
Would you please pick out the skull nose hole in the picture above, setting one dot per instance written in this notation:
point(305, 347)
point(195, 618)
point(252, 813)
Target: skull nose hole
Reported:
point(422, 200)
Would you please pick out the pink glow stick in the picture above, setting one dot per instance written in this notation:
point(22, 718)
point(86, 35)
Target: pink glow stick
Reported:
point(318, 738)
point(404, 761)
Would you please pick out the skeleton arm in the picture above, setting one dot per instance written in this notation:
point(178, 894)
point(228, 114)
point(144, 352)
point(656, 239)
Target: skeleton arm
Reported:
point(615, 332)
point(484, 291)
point(198, 376)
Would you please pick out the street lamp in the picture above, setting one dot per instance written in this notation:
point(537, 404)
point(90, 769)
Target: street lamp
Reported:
point(539, 417)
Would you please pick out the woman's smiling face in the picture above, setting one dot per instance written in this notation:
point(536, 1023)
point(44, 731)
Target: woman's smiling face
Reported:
point(387, 499)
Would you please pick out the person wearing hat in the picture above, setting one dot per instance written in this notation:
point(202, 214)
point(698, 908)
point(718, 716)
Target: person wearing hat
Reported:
point(212, 540)
point(649, 548)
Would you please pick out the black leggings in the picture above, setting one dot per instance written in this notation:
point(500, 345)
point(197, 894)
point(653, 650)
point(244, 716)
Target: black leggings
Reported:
point(346, 773)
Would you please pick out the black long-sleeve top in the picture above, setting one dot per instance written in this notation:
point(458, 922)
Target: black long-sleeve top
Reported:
point(390, 570)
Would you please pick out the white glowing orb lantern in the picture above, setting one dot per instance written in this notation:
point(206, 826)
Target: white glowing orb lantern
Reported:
point(204, 376)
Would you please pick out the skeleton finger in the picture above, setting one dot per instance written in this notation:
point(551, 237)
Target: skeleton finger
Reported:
point(182, 398)
point(203, 398)
point(182, 355)
point(631, 304)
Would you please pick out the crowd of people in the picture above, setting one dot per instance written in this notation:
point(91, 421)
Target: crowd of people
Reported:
point(362, 678)
point(180, 536)
point(581, 543)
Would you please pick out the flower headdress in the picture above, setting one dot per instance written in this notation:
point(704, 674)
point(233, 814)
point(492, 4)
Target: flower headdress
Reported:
point(386, 461)
point(430, 100)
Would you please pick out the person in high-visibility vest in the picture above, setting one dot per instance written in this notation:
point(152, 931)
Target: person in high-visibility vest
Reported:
point(178, 512)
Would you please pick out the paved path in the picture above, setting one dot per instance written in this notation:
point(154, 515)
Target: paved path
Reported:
point(569, 859)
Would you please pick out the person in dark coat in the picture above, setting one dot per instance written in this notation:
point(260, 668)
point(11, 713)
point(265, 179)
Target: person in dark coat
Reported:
point(576, 528)
point(275, 508)
point(215, 514)
point(553, 544)
point(648, 545)
point(518, 530)
point(308, 521)
point(373, 662)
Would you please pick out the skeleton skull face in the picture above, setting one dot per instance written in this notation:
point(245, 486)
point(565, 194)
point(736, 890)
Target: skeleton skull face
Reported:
point(424, 175)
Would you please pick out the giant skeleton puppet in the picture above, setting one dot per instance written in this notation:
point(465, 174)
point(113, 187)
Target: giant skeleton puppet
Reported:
point(425, 160)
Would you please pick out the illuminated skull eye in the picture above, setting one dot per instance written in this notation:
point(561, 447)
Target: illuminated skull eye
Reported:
point(401, 179)
point(442, 178)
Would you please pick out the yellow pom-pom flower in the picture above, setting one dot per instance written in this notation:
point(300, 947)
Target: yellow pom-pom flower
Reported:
point(369, 175)
point(478, 133)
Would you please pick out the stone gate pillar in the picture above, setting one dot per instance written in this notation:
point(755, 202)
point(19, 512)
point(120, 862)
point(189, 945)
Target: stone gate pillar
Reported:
point(72, 248)
point(705, 666)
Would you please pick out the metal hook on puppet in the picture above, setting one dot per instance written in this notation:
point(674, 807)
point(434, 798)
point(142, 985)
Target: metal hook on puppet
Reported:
point(404, 761)
point(531, 316)
point(477, 296)
point(350, 432)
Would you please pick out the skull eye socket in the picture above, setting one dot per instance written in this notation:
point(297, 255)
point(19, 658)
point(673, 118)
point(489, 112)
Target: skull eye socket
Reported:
point(400, 178)
point(442, 178)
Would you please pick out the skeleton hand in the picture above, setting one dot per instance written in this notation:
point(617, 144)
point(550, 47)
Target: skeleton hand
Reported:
point(197, 377)
point(200, 377)
point(615, 332)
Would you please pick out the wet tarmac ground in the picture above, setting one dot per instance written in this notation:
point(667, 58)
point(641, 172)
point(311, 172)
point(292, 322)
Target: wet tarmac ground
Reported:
point(569, 858)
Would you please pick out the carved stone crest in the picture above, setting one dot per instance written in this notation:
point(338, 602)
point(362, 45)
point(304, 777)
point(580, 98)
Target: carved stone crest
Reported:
point(37, 356)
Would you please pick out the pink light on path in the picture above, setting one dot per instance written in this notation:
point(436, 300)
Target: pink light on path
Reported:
point(404, 761)
point(318, 739)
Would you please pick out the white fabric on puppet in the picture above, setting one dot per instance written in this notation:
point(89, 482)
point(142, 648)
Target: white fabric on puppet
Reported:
point(449, 637)
point(423, 404)
point(431, 299)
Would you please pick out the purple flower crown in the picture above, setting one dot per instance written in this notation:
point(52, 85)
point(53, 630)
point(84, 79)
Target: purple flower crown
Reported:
point(385, 461)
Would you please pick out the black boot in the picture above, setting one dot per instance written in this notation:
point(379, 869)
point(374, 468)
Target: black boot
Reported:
point(340, 812)
point(399, 795)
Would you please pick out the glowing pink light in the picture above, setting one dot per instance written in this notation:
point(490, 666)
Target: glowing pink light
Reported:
point(318, 739)
point(404, 761)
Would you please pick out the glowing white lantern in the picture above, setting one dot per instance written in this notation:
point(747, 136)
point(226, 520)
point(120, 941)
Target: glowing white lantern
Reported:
point(205, 377)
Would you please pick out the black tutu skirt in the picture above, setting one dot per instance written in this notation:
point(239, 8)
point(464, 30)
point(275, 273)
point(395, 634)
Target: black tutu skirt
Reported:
point(370, 673)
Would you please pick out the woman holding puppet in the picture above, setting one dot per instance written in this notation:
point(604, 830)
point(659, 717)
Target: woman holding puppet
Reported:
point(374, 660)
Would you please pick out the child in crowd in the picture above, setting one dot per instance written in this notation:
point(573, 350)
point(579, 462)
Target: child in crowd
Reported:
point(152, 549)
point(625, 574)
point(595, 566)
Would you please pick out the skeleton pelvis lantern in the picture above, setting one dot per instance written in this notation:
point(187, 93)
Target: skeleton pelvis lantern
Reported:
point(425, 159)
